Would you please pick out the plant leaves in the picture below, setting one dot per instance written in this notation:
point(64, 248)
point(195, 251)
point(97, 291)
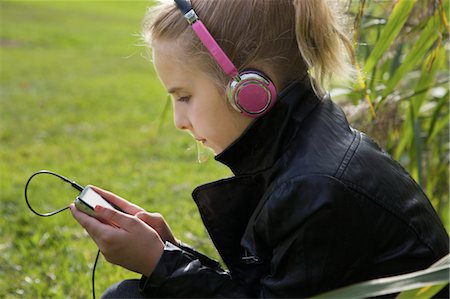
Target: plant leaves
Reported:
point(393, 26)
point(435, 275)
point(426, 40)
point(164, 113)
point(422, 293)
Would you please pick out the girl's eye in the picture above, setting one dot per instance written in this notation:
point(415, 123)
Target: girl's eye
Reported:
point(183, 99)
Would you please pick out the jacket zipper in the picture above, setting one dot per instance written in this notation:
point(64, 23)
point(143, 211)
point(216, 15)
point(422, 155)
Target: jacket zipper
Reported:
point(251, 259)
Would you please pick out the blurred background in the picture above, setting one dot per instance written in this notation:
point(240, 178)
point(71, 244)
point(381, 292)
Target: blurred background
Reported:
point(79, 96)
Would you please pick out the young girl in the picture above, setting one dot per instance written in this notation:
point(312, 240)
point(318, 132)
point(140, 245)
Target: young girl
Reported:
point(313, 204)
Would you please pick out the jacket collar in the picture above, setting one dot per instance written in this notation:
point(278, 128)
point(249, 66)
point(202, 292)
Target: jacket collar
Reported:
point(264, 140)
point(226, 205)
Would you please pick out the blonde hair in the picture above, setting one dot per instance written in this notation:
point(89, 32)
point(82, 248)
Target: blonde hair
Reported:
point(290, 38)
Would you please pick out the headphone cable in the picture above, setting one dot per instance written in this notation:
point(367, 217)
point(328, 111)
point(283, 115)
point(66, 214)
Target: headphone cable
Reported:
point(76, 186)
point(72, 183)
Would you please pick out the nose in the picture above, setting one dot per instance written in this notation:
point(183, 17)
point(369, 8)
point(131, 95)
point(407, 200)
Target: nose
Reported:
point(180, 117)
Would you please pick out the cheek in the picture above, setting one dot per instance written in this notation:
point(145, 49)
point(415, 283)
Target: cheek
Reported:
point(214, 109)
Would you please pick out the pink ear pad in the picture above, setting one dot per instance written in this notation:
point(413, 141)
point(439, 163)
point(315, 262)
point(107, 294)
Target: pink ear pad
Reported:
point(253, 96)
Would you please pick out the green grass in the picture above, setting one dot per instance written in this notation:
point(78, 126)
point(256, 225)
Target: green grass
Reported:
point(78, 96)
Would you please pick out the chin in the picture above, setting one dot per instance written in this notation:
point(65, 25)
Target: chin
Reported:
point(215, 150)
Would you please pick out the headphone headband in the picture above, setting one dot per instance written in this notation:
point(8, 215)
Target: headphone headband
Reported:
point(206, 38)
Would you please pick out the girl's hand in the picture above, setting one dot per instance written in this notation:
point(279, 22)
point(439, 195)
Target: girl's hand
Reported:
point(155, 220)
point(158, 223)
point(119, 202)
point(133, 245)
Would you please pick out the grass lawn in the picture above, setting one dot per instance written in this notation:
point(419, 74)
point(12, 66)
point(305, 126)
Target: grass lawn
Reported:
point(78, 96)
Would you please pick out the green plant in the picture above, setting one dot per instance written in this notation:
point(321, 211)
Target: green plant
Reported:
point(421, 284)
point(402, 100)
point(402, 92)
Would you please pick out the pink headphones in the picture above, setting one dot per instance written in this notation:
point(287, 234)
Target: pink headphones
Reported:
point(249, 92)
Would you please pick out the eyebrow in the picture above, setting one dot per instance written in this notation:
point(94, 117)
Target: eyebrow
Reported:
point(174, 89)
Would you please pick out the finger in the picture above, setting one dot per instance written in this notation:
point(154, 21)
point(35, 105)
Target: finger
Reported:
point(92, 225)
point(150, 218)
point(157, 222)
point(144, 217)
point(97, 230)
point(118, 201)
point(122, 220)
point(79, 216)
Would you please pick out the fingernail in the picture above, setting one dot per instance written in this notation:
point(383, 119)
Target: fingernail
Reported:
point(99, 208)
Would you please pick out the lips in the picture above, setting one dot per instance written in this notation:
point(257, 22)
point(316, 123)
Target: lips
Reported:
point(198, 139)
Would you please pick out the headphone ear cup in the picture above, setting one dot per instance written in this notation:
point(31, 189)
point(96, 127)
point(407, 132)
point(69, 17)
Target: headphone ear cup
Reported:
point(253, 95)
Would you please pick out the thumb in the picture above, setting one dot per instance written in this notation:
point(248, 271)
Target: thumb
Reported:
point(114, 217)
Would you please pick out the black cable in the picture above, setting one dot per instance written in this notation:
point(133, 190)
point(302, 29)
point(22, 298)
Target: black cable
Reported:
point(76, 186)
point(93, 274)
point(73, 183)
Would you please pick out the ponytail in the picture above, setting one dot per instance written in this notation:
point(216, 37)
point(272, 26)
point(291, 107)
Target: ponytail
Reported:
point(324, 47)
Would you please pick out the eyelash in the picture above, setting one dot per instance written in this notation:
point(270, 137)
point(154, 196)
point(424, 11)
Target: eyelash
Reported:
point(184, 99)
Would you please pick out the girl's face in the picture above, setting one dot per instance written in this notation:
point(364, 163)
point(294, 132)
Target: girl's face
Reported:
point(198, 105)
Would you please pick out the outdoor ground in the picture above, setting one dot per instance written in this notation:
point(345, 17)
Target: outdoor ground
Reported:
point(78, 96)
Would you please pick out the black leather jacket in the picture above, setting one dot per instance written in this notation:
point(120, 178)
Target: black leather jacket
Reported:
point(314, 205)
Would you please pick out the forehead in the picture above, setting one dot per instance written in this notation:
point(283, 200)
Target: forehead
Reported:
point(167, 53)
point(170, 64)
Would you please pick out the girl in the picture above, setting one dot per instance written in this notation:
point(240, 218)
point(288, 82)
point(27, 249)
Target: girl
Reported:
point(313, 204)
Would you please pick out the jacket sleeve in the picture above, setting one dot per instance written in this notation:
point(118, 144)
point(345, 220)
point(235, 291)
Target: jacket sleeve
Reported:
point(183, 272)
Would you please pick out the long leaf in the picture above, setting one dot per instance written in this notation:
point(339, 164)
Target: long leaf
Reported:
point(427, 38)
point(422, 293)
point(428, 291)
point(164, 113)
point(407, 137)
point(416, 151)
point(440, 125)
point(437, 275)
point(393, 26)
point(434, 119)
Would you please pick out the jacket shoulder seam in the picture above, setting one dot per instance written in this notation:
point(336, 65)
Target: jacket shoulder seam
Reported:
point(351, 150)
point(361, 192)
